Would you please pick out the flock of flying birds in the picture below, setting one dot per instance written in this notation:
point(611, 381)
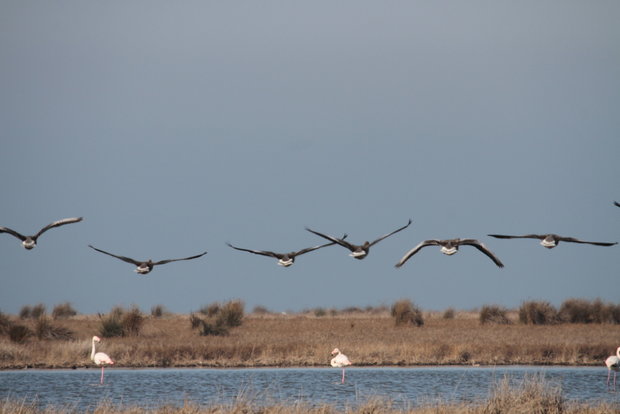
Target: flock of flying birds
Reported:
point(358, 251)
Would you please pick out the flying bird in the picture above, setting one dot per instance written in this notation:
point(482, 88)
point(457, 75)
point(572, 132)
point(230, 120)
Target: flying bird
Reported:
point(450, 247)
point(284, 259)
point(340, 361)
point(100, 358)
point(145, 267)
point(613, 363)
point(550, 240)
point(29, 242)
point(358, 251)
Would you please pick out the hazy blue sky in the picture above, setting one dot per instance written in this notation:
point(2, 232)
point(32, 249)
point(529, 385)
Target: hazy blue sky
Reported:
point(174, 127)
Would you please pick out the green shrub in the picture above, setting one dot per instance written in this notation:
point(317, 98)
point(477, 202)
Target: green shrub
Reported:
point(132, 322)
point(583, 311)
point(449, 313)
point(44, 329)
point(211, 310)
point(218, 328)
point(25, 312)
point(493, 314)
point(405, 313)
point(158, 311)
point(5, 324)
point(538, 313)
point(38, 311)
point(111, 326)
point(120, 322)
point(219, 318)
point(63, 311)
point(19, 333)
point(231, 313)
point(260, 310)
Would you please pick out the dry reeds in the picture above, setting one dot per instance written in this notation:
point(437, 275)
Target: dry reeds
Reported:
point(276, 339)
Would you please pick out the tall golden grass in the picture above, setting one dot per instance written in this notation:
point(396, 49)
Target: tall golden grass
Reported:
point(368, 338)
point(533, 395)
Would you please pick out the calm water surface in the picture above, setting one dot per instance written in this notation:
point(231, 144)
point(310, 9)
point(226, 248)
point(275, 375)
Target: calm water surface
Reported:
point(405, 387)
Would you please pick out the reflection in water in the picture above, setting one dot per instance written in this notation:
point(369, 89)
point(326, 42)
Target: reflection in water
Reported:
point(152, 388)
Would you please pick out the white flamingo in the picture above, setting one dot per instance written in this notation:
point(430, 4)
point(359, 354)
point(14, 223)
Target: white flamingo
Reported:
point(100, 358)
point(340, 361)
point(613, 363)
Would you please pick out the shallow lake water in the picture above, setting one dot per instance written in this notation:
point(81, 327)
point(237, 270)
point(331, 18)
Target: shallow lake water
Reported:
point(404, 387)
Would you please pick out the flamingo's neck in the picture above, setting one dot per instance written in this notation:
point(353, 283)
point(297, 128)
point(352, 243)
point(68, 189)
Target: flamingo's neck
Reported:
point(618, 352)
point(92, 354)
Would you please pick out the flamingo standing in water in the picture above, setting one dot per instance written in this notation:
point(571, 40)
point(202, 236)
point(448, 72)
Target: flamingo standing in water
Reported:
point(100, 358)
point(340, 361)
point(613, 363)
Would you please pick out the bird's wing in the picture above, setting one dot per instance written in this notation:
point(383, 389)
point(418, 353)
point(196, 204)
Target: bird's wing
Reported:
point(389, 234)
point(617, 204)
point(123, 258)
point(176, 260)
point(483, 249)
point(415, 250)
point(261, 252)
point(58, 223)
point(574, 240)
point(341, 242)
point(525, 236)
point(309, 249)
point(12, 232)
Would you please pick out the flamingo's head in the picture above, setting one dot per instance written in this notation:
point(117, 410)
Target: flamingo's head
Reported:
point(335, 351)
point(96, 339)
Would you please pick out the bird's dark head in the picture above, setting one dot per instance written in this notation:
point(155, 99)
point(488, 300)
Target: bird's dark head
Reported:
point(29, 243)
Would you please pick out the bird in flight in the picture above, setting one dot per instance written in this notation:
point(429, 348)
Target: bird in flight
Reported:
point(144, 267)
point(550, 240)
point(450, 247)
point(284, 259)
point(29, 242)
point(358, 251)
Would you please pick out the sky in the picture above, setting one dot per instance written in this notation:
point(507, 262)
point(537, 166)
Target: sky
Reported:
point(175, 127)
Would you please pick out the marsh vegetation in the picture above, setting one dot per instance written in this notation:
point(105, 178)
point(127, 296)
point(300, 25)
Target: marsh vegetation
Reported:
point(223, 335)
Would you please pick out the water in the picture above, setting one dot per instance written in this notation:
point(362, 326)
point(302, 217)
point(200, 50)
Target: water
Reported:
point(405, 387)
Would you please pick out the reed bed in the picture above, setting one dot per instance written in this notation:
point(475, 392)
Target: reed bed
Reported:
point(532, 395)
point(370, 339)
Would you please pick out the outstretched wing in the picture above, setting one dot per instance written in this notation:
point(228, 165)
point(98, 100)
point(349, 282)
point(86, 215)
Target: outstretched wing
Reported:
point(341, 242)
point(389, 234)
point(12, 232)
point(574, 240)
point(123, 258)
point(176, 260)
point(478, 245)
point(261, 252)
point(56, 224)
point(617, 204)
point(525, 236)
point(415, 250)
point(309, 249)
